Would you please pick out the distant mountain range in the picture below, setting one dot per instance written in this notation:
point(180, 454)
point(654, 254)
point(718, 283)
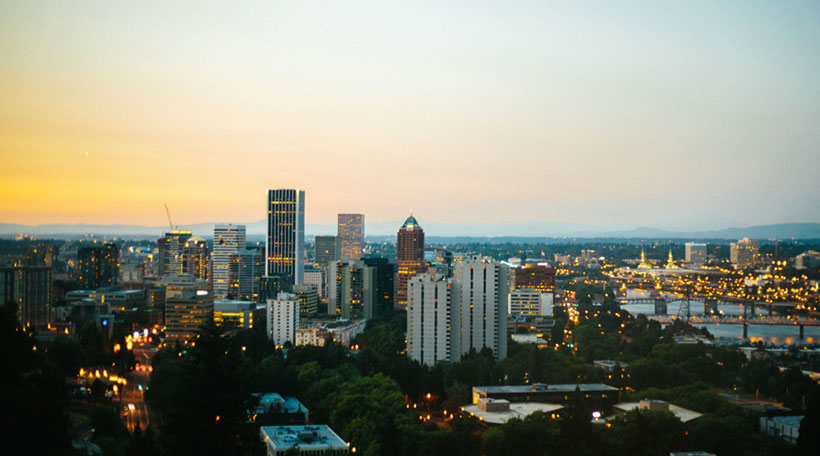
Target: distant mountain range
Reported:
point(466, 230)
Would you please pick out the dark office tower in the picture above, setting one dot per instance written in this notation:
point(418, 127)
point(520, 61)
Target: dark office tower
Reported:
point(98, 266)
point(29, 287)
point(384, 288)
point(246, 275)
point(170, 257)
point(350, 236)
point(541, 278)
point(324, 251)
point(409, 257)
point(285, 243)
point(196, 258)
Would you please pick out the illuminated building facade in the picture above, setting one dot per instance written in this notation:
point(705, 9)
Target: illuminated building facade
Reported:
point(538, 277)
point(350, 236)
point(530, 302)
point(229, 240)
point(308, 299)
point(744, 253)
point(98, 266)
point(409, 257)
point(285, 242)
point(170, 252)
point(196, 258)
point(234, 314)
point(324, 250)
point(29, 288)
point(483, 305)
point(189, 304)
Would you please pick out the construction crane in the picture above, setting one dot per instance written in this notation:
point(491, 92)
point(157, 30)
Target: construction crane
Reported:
point(170, 223)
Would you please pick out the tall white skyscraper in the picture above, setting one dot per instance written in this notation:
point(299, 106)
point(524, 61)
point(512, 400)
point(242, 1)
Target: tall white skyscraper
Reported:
point(283, 318)
point(350, 236)
point(285, 241)
point(432, 319)
point(229, 241)
point(483, 305)
point(446, 318)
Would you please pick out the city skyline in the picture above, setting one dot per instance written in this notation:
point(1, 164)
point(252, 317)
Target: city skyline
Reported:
point(698, 116)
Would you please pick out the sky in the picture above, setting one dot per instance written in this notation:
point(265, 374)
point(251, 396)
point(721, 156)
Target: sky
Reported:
point(677, 115)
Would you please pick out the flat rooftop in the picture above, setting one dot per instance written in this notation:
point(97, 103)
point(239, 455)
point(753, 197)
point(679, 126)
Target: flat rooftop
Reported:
point(517, 410)
point(685, 415)
point(307, 438)
point(287, 404)
point(544, 388)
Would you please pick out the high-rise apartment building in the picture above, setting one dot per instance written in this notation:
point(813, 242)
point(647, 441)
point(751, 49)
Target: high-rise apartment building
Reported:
point(98, 266)
point(447, 318)
point(744, 253)
point(285, 242)
point(308, 299)
point(351, 289)
point(324, 250)
point(696, 253)
point(350, 236)
point(170, 258)
point(29, 288)
point(283, 318)
point(483, 304)
point(409, 257)
point(189, 304)
point(229, 241)
point(433, 333)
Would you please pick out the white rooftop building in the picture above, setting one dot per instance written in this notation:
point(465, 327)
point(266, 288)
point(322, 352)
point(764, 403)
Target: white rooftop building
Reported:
point(317, 440)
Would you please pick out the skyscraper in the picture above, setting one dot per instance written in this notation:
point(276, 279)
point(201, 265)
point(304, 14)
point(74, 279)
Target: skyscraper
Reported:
point(29, 288)
point(324, 250)
point(98, 266)
point(196, 258)
point(350, 236)
point(351, 289)
point(229, 241)
point(483, 305)
point(246, 275)
point(283, 318)
point(433, 333)
point(409, 257)
point(170, 257)
point(285, 242)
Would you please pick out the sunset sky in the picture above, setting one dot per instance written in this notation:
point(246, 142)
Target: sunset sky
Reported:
point(678, 115)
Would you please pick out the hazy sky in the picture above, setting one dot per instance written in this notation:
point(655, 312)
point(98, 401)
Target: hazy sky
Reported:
point(684, 115)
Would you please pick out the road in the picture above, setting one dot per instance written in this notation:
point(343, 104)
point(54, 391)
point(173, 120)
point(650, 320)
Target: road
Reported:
point(135, 412)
